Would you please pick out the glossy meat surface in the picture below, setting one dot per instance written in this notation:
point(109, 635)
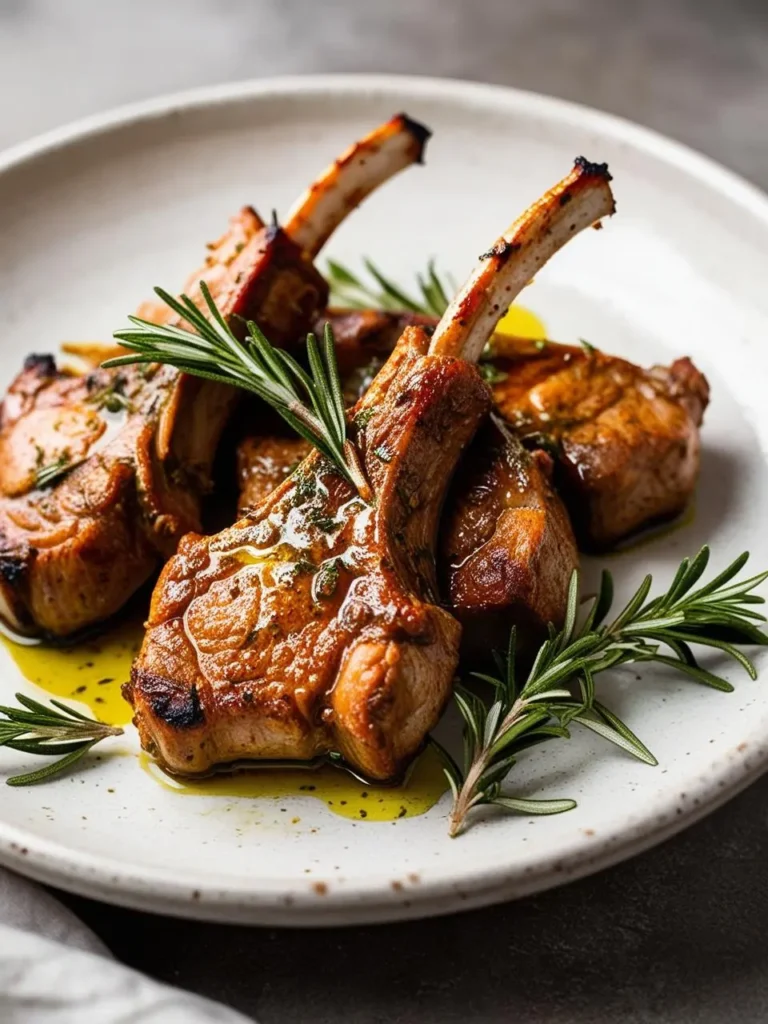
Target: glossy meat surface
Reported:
point(625, 440)
point(506, 550)
point(312, 624)
point(71, 553)
point(264, 462)
point(135, 448)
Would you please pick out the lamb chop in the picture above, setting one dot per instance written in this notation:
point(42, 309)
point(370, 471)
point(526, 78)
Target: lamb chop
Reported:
point(625, 440)
point(312, 624)
point(506, 548)
point(625, 445)
point(102, 474)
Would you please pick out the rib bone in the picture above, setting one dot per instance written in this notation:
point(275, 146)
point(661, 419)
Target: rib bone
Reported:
point(578, 201)
point(349, 180)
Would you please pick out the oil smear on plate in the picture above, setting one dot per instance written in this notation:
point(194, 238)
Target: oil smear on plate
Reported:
point(91, 671)
point(341, 792)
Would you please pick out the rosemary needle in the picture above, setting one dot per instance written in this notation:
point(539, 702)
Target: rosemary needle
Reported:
point(349, 290)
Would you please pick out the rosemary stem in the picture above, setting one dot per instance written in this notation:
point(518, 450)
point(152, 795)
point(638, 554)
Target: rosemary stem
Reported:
point(356, 472)
point(470, 794)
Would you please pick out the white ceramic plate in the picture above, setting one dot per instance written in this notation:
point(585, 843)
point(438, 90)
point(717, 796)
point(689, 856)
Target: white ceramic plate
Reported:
point(94, 215)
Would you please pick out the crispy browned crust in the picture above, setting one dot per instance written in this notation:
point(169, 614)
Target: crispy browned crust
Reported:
point(71, 554)
point(625, 440)
point(291, 657)
point(506, 546)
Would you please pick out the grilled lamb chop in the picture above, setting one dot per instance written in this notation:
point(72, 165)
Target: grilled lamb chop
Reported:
point(506, 550)
point(625, 440)
point(138, 444)
point(311, 625)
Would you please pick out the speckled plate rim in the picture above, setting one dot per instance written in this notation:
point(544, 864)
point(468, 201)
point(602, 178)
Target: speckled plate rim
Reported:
point(277, 902)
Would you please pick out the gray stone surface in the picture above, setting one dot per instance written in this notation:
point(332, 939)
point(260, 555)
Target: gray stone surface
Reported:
point(676, 935)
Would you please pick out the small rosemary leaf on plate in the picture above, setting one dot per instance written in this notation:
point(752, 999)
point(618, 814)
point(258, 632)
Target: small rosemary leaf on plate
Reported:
point(520, 806)
point(640, 751)
point(54, 730)
point(623, 729)
point(699, 674)
point(49, 770)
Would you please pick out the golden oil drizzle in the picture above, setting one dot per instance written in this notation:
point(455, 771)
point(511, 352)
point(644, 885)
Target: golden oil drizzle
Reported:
point(522, 323)
point(90, 672)
point(341, 792)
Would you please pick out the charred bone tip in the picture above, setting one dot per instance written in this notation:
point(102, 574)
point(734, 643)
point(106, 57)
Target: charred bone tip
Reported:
point(417, 130)
point(363, 167)
point(44, 364)
point(592, 170)
point(582, 198)
point(502, 250)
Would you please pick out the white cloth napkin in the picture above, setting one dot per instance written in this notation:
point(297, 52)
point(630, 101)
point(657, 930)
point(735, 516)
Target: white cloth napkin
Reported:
point(53, 970)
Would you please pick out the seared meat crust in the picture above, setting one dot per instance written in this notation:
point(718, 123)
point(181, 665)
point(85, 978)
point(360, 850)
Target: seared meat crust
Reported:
point(312, 624)
point(264, 462)
point(507, 550)
point(625, 440)
point(140, 442)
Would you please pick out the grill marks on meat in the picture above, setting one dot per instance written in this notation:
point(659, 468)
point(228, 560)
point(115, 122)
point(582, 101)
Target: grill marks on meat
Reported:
point(72, 554)
point(313, 624)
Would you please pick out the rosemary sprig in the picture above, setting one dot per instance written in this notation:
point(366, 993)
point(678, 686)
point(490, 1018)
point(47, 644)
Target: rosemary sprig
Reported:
point(49, 730)
point(312, 405)
point(560, 687)
point(348, 289)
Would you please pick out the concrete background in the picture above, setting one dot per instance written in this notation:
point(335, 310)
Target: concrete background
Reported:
point(676, 935)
